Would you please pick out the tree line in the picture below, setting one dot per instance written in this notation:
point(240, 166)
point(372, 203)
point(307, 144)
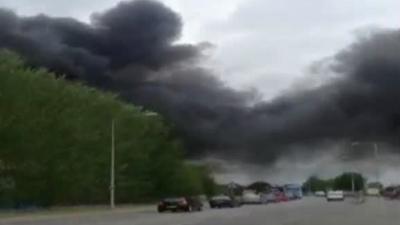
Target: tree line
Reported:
point(55, 144)
point(343, 181)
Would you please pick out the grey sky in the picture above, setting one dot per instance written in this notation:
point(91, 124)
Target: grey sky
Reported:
point(295, 169)
point(264, 44)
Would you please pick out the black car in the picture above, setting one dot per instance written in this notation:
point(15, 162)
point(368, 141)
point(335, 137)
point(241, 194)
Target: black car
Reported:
point(185, 204)
point(222, 201)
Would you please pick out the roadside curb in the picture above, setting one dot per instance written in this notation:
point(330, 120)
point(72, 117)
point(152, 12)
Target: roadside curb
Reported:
point(46, 215)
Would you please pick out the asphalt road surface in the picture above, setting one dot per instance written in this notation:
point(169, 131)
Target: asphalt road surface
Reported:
point(309, 211)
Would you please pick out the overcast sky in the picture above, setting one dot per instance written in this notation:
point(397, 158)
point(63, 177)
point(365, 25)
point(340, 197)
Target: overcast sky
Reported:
point(264, 44)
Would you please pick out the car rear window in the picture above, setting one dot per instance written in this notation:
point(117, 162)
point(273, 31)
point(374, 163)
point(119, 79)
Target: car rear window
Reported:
point(173, 199)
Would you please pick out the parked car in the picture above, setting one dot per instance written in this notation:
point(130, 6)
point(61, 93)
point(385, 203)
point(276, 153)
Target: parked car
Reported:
point(373, 191)
point(335, 195)
point(268, 198)
point(281, 197)
point(320, 193)
point(249, 197)
point(185, 204)
point(391, 192)
point(274, 197)
point(222, 201)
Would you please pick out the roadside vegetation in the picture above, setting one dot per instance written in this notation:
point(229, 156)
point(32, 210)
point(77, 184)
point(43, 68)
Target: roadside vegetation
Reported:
point(340, 182)
point(56, 138)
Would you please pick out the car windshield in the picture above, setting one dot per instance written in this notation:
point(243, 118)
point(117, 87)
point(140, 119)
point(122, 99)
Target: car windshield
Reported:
point(199, 112)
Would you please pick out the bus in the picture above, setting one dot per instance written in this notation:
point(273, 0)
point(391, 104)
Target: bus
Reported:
point(293, 191)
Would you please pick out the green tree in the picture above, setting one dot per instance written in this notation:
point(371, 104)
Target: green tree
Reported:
point(314, 184)
point(259, 186)
point(55, 144)
point(344, 181)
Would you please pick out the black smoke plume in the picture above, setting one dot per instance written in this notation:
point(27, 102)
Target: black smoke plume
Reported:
point(131, 49)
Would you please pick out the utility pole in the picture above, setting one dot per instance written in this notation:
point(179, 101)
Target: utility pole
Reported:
point(353, 186)
point(112, 158)
point(376, 154)
point(376, 151)
point(112, 167)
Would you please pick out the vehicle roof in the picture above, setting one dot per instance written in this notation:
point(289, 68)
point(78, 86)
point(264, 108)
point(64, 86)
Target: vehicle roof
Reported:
point(173, 199)
point(220, 197)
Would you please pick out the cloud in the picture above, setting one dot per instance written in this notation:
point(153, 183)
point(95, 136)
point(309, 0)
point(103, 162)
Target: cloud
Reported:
point(132, 49)
point(284, 37)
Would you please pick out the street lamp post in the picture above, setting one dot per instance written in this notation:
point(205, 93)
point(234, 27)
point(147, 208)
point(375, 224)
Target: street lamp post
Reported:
point(353, 186)
point(112, 158)
point(376, 154)
point(112, 167)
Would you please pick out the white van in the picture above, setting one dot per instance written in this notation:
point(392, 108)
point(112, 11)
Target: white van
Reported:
point(250, 197)
point(335, 196)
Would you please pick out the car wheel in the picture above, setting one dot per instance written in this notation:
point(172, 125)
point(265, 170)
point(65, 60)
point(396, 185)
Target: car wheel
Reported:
point(189, 209)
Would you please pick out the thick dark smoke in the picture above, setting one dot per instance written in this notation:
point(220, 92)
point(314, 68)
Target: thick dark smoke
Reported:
point(131, 49)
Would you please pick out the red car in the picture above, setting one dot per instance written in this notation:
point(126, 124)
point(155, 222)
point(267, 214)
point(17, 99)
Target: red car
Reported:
point(391, 192)
point(281, 197)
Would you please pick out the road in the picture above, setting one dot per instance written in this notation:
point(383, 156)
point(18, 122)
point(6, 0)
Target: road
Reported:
point(310, 211)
